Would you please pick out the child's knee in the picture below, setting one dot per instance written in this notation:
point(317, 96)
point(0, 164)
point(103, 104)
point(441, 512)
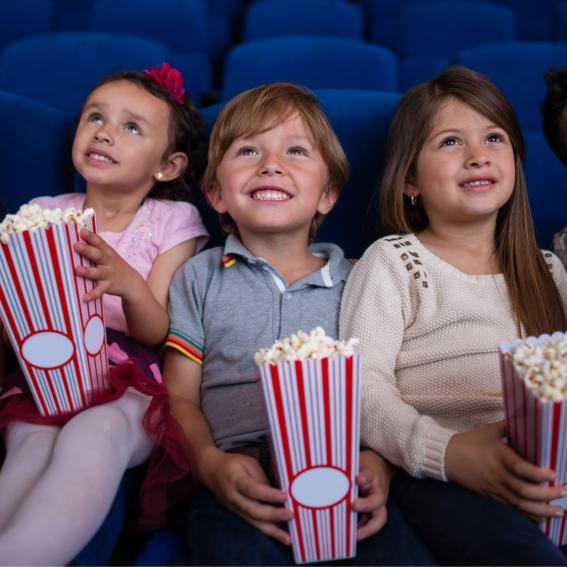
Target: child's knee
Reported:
point(21, 433)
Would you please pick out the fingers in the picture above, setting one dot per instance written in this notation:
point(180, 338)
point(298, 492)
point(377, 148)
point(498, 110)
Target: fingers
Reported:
point(90, 252)
point(91, 238)
point(520, 468)
point(371, 524)
point(272, 530)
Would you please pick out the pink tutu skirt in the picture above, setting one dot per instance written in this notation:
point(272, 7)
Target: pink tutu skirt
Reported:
point(171, 473)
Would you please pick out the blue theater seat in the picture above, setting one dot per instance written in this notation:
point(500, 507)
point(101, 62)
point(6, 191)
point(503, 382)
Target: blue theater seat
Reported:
point(60, 69)
point(23, 18)
point(383, 19)
point(535, 18)
point(35, 150)
point(547, 187)
point(179, 24)
point(518, 68)
point(560, 22)
point(315, 62)
point(432, 34)
point(318, 17)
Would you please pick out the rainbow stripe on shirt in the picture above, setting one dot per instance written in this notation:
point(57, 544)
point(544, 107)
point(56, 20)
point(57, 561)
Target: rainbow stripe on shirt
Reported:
point(228, 260)
point(185, 346)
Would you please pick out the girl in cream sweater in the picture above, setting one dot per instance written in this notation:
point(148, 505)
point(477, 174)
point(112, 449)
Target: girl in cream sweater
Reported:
point(430, 306)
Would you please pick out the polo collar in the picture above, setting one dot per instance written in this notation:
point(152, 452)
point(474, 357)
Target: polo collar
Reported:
point(335, 270)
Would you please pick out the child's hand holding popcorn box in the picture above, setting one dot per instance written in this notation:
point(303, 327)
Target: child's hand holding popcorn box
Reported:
point(534, 377)
point(59, 338)
point(311, 386)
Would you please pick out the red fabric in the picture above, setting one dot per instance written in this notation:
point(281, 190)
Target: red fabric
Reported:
point(170, 476)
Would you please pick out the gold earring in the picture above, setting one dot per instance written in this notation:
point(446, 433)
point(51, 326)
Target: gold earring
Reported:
point(413, 199)
point(159, 175)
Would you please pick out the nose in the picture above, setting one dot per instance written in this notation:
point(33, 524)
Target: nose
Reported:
point(270, 165)
point(477, 156)
point(102, 135)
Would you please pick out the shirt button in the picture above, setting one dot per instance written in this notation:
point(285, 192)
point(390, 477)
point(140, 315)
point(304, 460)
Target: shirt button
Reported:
point(289, 295)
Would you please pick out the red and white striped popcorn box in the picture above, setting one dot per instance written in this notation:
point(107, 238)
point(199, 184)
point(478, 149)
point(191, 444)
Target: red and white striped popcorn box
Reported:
point(537, 429)
point(59, 338)
point(313, 409)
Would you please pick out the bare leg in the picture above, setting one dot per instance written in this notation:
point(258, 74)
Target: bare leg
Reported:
point(28, 450)
point(73, 496)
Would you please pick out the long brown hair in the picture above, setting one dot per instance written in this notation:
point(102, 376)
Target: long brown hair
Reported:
point(535, 298)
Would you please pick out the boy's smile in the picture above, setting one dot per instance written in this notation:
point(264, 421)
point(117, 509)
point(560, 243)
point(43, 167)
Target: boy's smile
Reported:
point(274, 181)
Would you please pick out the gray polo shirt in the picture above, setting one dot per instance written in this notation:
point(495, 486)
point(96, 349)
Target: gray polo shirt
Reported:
point(224, 305)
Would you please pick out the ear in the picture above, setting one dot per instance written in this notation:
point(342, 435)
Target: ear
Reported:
point(410, 189)
point(214, 196)
point(173, 167)
point(328, 200)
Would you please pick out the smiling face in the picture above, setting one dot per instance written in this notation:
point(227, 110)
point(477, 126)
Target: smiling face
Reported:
point(273, 181)
point(121, 138)
point(466, 167)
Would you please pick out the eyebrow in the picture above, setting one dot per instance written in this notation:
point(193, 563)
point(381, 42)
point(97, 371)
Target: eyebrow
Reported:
point(102, 105)
point(291, 139)
point(459, 130)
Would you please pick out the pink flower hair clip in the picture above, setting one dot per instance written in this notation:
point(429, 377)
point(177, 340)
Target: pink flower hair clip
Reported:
point(168, 78)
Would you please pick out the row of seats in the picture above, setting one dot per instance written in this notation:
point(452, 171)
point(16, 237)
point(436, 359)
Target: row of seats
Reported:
point(27, 67)
point(427, 36)
point(227, 20)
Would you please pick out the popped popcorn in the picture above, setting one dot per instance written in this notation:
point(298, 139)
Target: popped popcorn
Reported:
point(30, 217)
point(303, 346)
point(544, 368)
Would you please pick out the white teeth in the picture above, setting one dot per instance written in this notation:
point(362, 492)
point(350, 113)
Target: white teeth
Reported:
point(270, 196)
point(99, 157)
point(477, 183)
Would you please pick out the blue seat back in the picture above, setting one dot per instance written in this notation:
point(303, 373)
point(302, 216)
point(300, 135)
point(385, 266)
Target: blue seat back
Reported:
point(547, 187)
point(179, 24)
point(35, 151)
point(445, 28)
point(518, 69)
point(60, 69)
point(317, 17)
point(315, 62)
point(24, 18)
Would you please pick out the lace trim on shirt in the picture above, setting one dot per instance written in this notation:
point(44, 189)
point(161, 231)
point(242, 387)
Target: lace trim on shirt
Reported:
point(410, 259)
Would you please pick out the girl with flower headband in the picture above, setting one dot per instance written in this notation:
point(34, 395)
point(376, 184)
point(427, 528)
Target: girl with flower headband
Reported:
point(139, 145)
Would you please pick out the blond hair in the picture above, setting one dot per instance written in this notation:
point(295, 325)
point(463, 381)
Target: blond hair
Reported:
point(260, 109)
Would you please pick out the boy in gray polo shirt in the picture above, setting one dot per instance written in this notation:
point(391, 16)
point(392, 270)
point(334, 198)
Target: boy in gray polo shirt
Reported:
point(275, 169)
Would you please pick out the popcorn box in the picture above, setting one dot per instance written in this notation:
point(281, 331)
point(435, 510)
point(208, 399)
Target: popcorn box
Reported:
point(537, 428)
point(313, 409)
point(59, 338)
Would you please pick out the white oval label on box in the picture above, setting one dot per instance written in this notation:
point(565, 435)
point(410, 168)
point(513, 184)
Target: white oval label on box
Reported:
point(320, 487)
point(94, 335)
point(47, 349)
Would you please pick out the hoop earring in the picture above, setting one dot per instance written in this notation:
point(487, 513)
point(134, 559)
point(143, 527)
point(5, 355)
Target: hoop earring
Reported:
point(413, 199)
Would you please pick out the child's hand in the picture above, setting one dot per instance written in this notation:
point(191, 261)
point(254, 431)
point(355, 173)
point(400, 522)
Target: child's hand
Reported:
point(482, 461)
point(112, 274)
point(239, 483)
point(374, 485)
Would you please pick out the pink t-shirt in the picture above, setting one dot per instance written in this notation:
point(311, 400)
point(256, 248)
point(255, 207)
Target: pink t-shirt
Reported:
point(158, 225)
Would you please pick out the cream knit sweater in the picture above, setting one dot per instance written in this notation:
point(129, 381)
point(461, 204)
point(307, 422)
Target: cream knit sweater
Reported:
point(429, 337)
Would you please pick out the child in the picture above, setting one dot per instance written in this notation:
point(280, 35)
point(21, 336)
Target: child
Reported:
point(275, 169)
point(138, 141)
point(555, 131)
point(431, 304)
